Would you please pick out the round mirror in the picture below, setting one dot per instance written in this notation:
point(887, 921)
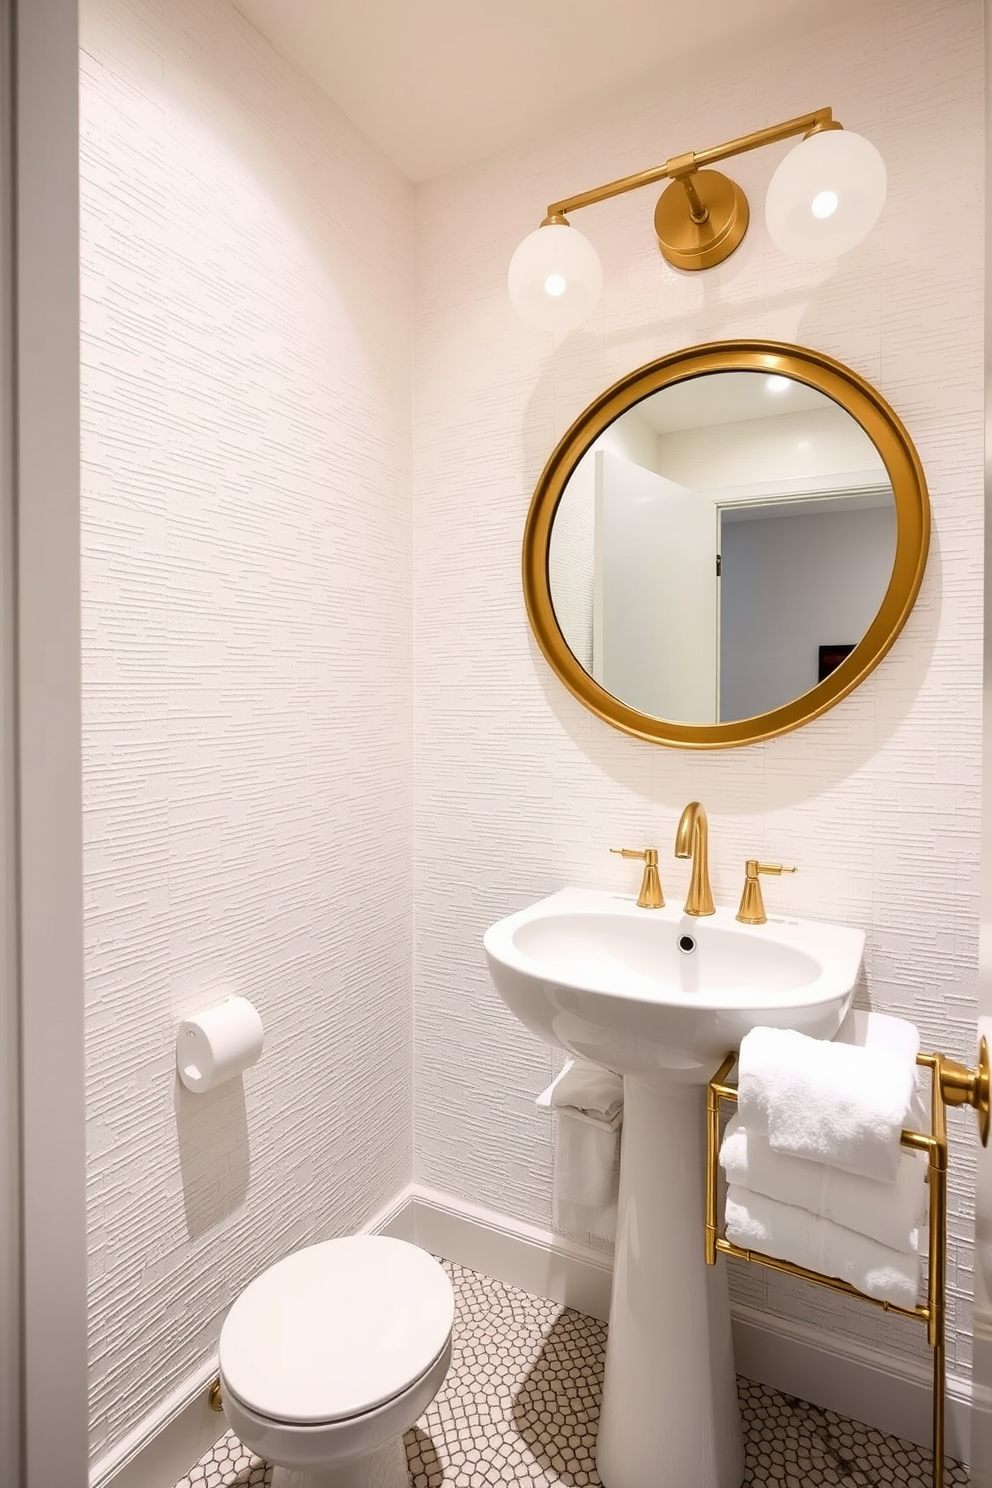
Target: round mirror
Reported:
point(725, 543)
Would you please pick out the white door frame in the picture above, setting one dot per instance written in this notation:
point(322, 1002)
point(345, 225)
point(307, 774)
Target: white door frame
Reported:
point(10, 1088)
point(42, 874)
point(981, 1416)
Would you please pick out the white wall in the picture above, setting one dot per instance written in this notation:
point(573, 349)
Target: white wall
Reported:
point(792, 583)
point(246, 352)
point(519, 790)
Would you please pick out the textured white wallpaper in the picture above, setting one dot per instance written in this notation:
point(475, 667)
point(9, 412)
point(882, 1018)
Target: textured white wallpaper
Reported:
point(249, 712)
point(519, 791)
point(246, 348)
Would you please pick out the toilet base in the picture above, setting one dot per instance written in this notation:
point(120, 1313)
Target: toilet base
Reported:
point(359, 1452)
point(385, 1468)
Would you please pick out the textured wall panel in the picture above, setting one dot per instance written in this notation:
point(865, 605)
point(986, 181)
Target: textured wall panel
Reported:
point(246, 634)
point(519, 791)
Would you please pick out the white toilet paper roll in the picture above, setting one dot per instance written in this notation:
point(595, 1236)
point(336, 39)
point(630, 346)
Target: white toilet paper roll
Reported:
point(219, 1043)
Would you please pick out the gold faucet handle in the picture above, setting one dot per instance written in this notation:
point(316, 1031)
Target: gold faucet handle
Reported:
point(650, 896)
point(752, 907)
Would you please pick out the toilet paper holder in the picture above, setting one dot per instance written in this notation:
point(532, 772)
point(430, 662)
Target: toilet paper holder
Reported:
point(951, 1084)
point(218, 1043)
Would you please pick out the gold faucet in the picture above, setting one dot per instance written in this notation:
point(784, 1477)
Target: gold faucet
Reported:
point(650, 896)
point(692, 841)
point(752, 910)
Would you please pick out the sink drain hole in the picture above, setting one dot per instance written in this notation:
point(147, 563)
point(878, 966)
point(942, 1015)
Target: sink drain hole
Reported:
point(687, 944)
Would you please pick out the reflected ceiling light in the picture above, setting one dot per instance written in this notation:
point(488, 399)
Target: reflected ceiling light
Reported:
point(824, 197)
point(776, 384)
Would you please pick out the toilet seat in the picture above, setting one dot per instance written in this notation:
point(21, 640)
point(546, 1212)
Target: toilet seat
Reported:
point(336, 1330)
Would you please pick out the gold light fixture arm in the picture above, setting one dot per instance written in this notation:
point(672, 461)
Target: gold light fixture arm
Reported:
point(679, 166)
point(703, 216)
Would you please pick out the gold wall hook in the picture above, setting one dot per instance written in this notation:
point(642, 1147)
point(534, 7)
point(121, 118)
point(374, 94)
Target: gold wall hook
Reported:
point(752, 906)
point(960, 1086)
point(651, 896)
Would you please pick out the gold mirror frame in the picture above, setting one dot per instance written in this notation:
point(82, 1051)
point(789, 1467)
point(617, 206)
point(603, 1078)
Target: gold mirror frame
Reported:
point(884, 429)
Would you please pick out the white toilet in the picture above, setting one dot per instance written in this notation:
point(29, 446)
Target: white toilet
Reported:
point(327, 1358)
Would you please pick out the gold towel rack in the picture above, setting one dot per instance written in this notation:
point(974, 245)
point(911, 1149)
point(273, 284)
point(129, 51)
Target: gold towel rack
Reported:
point(951, 1084)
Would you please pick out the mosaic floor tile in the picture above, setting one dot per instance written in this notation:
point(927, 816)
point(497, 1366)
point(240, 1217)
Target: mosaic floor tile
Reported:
point(521, 1405)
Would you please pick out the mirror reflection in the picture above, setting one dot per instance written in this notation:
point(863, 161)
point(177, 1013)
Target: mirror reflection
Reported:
point(721, 547)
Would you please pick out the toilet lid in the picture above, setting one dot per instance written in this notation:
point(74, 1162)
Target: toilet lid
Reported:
point(336, 1329)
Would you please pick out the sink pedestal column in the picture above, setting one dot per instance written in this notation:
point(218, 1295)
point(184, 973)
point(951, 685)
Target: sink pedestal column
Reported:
point(670, 1417)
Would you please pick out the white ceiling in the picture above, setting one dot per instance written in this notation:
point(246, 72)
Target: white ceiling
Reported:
point(438, 84)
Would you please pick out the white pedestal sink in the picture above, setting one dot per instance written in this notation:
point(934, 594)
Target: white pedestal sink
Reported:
point(660, 998)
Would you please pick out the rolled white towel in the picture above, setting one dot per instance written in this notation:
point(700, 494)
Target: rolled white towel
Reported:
point(837, 1103)
point(755, 1222)
point(873, 1030)
point(890, 1213)
point(586, 1091)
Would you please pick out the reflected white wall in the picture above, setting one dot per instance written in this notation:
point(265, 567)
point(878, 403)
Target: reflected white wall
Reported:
point(790, 584)
point(571, 564)
point(823, 443)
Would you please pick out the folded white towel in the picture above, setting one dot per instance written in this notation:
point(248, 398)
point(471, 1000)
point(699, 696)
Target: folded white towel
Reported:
point(587, 1091)
point(890, 1213)
point(755, 1222)
point(837, 1103)
point(588, 1104)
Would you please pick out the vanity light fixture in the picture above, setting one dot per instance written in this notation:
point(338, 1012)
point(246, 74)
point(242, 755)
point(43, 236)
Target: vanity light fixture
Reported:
point(823, 198)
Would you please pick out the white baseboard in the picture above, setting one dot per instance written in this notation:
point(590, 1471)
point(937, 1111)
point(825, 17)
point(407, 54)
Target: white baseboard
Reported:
point(163, 1447)
point(888, 1392)
point(536, 1261)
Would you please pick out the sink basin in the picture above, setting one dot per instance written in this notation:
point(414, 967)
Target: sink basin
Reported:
point(658, 994)
point(661, 997)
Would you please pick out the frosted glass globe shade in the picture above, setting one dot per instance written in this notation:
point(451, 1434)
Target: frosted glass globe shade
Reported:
point(833, 164)
point(555, 278)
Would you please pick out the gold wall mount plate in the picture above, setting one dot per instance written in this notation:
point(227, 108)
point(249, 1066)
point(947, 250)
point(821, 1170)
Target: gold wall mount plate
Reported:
point(687, 244)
